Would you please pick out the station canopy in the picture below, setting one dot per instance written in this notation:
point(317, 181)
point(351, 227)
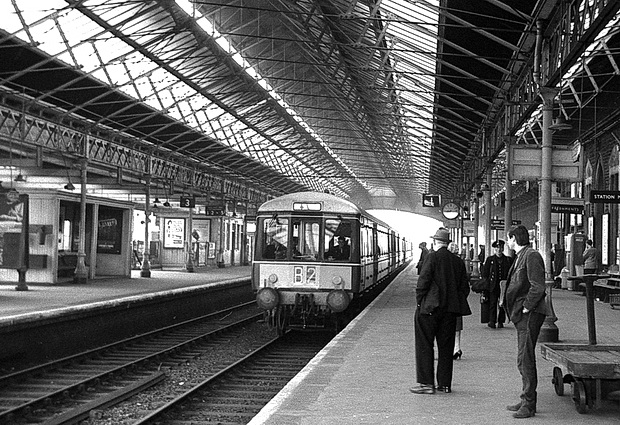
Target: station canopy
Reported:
point(365, 99)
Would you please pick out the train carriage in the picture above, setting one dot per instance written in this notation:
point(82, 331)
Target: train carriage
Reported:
point(316, 255)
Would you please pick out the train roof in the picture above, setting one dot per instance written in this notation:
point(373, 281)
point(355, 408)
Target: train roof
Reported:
point(305, 201)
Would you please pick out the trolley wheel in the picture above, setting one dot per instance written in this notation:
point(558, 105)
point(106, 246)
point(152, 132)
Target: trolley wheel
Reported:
point(558, 381)
point(579, 396)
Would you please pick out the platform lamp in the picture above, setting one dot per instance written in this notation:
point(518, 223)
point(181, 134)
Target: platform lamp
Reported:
point(167, 203)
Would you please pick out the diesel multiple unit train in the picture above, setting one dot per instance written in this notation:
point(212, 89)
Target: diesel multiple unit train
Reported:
point(316, 255)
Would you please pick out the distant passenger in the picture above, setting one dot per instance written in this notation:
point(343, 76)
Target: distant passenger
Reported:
point(341, 252)
point(590, 258)
point(441, 295)
point(423, 254)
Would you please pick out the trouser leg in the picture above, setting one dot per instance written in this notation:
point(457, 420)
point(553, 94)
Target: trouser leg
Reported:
point(446, 329)
point(493, 297)
point(527, 335)
point(424, 326)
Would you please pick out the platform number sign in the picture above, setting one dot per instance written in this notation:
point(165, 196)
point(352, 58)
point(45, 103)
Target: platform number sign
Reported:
point(304, 275)
point(188, 202)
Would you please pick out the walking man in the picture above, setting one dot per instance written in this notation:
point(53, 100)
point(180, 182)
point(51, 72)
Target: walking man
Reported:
point(441, 295)
point(526, 307)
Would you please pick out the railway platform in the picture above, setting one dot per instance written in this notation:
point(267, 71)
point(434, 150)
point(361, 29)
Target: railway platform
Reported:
point(43, 301)
point(364, 375)
point(48, 322)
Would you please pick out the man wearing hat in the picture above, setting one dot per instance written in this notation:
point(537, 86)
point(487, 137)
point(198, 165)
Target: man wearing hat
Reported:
point(441, 295)
point(496, 269)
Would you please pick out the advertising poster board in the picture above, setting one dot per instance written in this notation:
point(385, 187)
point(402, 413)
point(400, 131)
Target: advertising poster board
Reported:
point(13, 228)
point(174, 233)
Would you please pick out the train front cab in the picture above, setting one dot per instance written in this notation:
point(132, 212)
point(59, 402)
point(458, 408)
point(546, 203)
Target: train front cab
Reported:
point(298, 275)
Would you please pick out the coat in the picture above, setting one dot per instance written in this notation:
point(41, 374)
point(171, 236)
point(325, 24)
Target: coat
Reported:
point(590, 258)
point(495, 269)
point(443, 284)
point(525, 286)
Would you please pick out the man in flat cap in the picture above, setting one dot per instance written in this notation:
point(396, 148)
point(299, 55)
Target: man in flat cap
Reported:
point(495, 269)
point(441, 295)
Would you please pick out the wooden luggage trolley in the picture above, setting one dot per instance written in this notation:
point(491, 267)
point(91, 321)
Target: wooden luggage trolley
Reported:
point(592, 370)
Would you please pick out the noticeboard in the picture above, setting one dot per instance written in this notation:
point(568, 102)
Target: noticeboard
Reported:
point(526, 163)
point(13, 229)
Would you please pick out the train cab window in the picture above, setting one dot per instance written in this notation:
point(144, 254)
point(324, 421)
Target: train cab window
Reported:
point(306, 235)
point(337, 240)
point(275, 234)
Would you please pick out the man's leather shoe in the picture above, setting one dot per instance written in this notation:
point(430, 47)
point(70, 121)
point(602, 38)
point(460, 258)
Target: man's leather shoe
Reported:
point(514, 407)
point(443, 389)
point(491, 325)
point(500, 325)
point(423, 389)
point(523, 412)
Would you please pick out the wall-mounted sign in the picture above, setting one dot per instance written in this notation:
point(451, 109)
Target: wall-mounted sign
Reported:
point(188, 202)
point(110, 230)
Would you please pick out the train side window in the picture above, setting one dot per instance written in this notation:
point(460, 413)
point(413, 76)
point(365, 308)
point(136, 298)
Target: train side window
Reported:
point(275, 232)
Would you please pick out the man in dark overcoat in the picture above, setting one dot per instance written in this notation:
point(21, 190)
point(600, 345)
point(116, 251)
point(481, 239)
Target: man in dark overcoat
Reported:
point(495, 270)
point(526, 307)
point(441, 295)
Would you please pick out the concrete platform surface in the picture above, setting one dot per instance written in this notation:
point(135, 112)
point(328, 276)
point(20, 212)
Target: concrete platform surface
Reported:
point(364, 375)
point(51, 300)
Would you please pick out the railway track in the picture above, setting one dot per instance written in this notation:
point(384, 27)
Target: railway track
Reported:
point(66, 390)
point(239, 391)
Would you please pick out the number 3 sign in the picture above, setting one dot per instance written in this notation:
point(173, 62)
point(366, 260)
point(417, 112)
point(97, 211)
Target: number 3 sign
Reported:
point(188, 202)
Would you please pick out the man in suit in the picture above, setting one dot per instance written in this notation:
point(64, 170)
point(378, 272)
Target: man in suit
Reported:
point(441, 295)
point(525, 305)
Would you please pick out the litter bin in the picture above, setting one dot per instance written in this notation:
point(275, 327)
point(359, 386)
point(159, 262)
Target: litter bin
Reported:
point(564, 276)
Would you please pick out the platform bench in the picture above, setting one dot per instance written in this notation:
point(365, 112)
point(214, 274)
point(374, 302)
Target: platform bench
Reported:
point(67, 264)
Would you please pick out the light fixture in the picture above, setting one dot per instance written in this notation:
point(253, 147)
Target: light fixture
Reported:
point(166, 204)
point(20, 178)
point(560, 124)
point(69, 186)
point(156, 201)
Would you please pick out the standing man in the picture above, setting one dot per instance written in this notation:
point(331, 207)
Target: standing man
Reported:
point(590, 258)
point(495, 270)
point(526, 307)
point(423, 254)
point(441, 295)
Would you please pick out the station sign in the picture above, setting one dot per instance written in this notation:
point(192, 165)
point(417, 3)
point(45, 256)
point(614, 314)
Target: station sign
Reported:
point(605, 196)
point(498, 223)
point(429, 200)
point(216, 211)
point(188, 202)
